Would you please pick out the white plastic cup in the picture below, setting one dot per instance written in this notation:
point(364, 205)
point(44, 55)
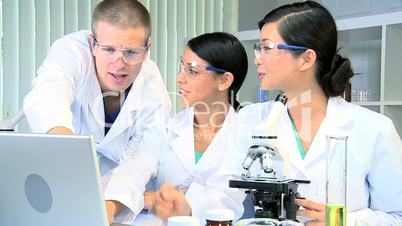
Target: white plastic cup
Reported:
point(183, 221)
point(219, 215)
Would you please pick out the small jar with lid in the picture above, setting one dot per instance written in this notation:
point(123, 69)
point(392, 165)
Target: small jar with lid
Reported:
point(183, 221)
point(219, 217)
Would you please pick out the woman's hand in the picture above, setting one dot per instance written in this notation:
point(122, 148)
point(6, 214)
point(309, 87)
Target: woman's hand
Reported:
point(169, 202)
point(313, 210)
point(149, 199)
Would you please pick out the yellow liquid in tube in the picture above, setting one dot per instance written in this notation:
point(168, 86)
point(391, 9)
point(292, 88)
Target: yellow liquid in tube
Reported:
point(335, 215)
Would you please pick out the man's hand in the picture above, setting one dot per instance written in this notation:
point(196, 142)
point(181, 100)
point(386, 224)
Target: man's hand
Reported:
point(60, 130)
point(149, 198)
point(113, 208)
point(313, 210)
point(170, 202)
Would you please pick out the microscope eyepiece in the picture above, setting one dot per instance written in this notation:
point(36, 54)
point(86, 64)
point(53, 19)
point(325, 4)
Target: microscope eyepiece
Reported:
point(248, 161)
point(264, 154)
point(267, 162)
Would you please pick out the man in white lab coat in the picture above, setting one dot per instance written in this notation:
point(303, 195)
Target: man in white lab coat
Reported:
point(104, 84)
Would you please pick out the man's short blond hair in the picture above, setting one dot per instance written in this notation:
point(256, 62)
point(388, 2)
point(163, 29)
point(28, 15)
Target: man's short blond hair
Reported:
point(123, 14)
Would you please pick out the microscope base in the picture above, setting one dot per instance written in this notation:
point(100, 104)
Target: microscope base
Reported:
point(276, 198)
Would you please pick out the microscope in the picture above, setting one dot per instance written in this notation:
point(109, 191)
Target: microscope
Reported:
point(273, 196)
point(9, 124)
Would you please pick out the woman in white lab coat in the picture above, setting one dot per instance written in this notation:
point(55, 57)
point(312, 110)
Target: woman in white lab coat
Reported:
point(297, 53)
point(212, 70)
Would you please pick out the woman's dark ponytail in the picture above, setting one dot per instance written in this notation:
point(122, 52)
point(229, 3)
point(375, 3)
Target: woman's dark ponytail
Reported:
point(233, 100)
point(335, 81)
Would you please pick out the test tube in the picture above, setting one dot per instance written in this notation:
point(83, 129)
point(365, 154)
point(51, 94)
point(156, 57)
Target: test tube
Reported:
point(336, 169)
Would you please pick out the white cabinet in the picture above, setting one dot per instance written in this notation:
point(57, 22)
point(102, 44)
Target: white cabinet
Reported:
point(363, 47)
point(392, 79)
point(374, 46)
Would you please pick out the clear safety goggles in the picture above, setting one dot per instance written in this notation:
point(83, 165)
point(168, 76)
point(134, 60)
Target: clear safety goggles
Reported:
point(261, 49)
point(193, 68)
point(130, 56)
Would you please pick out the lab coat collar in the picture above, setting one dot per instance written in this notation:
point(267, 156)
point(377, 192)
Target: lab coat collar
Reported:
point(216, 147)
point(132, 103)
point(95, 107)
point(124, 120)
point(339, 115)
point(181, 121)
point(183, 145)
point(288, 142)
point(182, 126)
point(338, 120)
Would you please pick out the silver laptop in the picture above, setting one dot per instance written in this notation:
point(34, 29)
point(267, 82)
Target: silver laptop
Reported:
point(50, 180)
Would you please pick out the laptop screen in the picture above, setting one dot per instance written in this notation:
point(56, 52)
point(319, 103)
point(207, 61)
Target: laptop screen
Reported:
point(50, 180)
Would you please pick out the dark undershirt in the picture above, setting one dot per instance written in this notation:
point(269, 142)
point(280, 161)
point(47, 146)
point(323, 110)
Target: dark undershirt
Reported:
point(111, 117)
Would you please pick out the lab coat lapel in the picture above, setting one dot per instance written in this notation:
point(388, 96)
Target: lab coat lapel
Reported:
point(132, 103)
point(338, 120)
point(216, 147)
point(95, 108)
point(288, 142)
point(183, 143)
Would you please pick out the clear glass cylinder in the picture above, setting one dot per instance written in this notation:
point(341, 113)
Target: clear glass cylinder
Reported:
point(261, 95)
point(336, 170)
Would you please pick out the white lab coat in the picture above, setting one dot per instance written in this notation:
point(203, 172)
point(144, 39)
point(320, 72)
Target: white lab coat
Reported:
point(202, 185)
point(374, 174)
point(67, 93)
